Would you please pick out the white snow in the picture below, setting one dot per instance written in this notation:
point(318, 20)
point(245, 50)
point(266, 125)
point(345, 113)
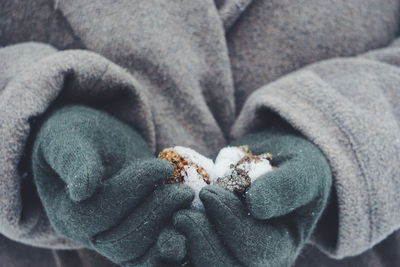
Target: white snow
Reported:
point(226, 157)
point(195, 157)
point(196, 182)
point(256, 169)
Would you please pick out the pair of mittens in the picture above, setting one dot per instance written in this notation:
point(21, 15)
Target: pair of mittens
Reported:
point(101, 187)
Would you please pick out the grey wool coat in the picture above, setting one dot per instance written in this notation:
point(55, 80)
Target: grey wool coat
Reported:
point(200, 73)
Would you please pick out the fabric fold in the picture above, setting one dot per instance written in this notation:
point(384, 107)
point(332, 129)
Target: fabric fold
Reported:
point(345, 106)
point(178, 51)
point(40, 79)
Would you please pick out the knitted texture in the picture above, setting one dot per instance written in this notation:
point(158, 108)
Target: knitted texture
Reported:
point(170, 70)
point(280, 211)
point(100, 184)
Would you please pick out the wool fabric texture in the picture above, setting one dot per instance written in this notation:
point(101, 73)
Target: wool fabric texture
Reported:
point(280, 211)
point(201, 74)
point(101, 186)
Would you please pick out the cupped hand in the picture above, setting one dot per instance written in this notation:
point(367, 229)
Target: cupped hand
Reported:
point(101, 186)
point(271, 223)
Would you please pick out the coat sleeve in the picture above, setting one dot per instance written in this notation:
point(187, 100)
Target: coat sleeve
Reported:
point(160, 67)
point(35, 77)
point(349, 108)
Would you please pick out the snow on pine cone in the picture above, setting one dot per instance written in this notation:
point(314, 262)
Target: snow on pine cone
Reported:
point(235, 168)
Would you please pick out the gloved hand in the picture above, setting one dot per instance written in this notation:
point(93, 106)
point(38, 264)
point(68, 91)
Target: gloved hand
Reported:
point(101, 186)
point(271, 225)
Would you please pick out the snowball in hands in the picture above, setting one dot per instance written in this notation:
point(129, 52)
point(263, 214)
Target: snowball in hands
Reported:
point(234, 168)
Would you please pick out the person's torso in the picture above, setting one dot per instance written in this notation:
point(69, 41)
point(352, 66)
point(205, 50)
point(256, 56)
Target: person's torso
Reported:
point(270, 39)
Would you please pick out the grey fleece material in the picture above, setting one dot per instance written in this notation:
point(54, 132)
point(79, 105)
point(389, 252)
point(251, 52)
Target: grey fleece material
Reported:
point(339, 105)
point(185, 72)
point(275, 37)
